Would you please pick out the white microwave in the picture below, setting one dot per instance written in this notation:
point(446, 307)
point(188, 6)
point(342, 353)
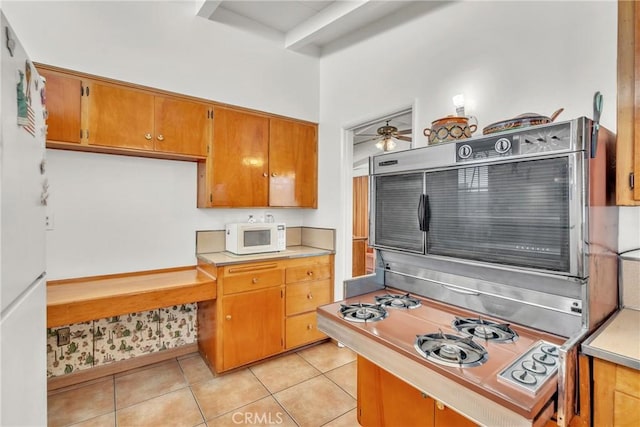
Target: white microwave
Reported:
point(254, 238)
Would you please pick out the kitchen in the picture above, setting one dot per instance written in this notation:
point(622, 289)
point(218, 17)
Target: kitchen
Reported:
point(564, 53)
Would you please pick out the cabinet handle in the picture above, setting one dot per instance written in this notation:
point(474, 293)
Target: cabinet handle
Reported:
point(440, 405)
point(274, 174)
point(147, 136)
point(254, 280)
point(309, 327)
point(228, 317)
point(160, 137)
point(309, 295)
point(310, 273)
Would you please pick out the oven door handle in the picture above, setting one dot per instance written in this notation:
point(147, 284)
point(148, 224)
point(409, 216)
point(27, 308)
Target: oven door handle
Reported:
point(424, 213)
point(459, 291)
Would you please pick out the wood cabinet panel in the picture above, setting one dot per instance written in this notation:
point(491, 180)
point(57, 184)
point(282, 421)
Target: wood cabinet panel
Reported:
point(252, 281)
point(181, 126)
point(252, 326)
point(306, 273)
point(293, 164)
point(240, 156)
point(359, 256)
point(63, 106)
point(302, 329)
point(385, 400)
point(628, 125)
point(302, 297)
point(120, 117)
point(616, 391)
point(361, 206)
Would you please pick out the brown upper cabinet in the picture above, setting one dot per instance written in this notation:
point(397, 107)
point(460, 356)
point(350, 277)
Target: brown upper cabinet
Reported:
point(123, 117)
point(63, 105)
point(259, 161)
point(89, 113)
point(628, 146)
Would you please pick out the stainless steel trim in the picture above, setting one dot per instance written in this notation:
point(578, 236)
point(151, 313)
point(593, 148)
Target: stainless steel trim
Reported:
point(478, 408)
point(564, 375)
point(460, 290)
point(362, 285)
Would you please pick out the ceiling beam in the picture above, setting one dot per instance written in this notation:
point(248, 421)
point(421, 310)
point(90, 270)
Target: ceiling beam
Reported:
point(206, 8)
point(329, 17)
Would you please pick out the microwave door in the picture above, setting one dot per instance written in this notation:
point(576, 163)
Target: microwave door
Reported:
point(398, 212)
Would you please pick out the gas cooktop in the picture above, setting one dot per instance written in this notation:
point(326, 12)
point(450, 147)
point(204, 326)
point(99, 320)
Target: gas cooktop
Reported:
point(511, 365)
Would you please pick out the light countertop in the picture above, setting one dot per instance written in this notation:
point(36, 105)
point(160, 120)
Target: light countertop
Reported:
point(618, 340)
point(227, 258)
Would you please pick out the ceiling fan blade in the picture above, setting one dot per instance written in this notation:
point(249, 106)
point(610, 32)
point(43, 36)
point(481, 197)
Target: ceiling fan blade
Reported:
point(403, 138)
point(368, 134)
point(404, 132)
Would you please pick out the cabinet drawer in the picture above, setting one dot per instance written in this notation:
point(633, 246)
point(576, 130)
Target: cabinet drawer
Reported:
point(302, 329)
point(252, 280)
point(306, 273)
point(302, 297)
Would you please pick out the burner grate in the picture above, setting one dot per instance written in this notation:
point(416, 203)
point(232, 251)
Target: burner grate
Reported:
point(398, 301)
point(362, 312)
point(451, 350)
point(485, 329)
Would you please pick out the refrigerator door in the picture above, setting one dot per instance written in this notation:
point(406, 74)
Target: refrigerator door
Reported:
point(23, 359)
point(22, 179)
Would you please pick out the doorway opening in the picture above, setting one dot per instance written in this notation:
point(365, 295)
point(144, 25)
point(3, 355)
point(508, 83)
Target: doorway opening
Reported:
point(392, 132)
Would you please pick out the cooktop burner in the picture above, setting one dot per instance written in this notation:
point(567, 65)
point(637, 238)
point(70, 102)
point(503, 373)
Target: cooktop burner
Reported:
point(362, 312)
point(398, 301)
point(451, 350)
point(485, 329)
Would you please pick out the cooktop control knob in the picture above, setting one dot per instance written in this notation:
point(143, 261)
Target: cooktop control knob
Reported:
point(465, 151)
point(532, 369)
point(503, 145)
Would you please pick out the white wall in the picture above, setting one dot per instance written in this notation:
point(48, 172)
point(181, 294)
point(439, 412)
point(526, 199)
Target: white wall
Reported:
point(116, 214)
point(507, 58)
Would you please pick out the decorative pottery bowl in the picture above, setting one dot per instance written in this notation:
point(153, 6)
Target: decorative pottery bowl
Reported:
point(450, 128)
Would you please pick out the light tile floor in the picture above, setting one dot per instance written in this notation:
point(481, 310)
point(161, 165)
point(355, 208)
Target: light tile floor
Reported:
point(312, 387)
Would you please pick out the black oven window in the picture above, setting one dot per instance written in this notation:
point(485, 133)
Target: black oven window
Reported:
point(512, 213)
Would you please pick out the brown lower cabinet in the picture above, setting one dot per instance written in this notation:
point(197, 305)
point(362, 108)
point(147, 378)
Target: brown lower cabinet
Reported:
point(385, 400)
point(616, 394)
point(263, 309)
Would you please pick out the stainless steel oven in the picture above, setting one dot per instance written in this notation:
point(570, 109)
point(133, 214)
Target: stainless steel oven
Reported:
point(518, 227)
point(513, 199)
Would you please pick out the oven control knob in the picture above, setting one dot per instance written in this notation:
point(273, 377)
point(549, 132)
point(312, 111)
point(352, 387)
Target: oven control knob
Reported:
point(465, 151)
point(503, 145)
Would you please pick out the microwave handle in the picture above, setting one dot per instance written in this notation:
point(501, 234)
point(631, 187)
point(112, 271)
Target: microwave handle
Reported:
point(424, 212)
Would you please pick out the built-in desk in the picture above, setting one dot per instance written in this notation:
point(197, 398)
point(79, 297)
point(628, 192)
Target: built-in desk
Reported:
point(83, 299)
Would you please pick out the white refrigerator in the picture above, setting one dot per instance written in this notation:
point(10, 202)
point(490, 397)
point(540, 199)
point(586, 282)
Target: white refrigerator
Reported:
point(23, 194)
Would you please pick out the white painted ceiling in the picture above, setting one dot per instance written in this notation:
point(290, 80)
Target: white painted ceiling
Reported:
point(303, 25)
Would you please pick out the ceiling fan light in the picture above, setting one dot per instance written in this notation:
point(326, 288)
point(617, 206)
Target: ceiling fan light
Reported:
point(380, 144)
point(390, 145)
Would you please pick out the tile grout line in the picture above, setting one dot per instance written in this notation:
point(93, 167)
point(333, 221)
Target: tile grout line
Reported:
point(204, 418)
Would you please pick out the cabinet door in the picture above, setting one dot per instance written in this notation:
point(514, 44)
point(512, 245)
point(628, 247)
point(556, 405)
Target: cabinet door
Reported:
point(293, 164)
point(445, 417)
point(253, 326)
point(182, 127)
point(302, 329)
point(63, 106)
point(385, 400)
point(628, 126)
point(240, 159)
point(120, 117)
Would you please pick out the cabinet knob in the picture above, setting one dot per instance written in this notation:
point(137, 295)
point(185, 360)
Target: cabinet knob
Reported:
point(274, 174)
point(440, 405)
point(254, 280)
point(147, 136)
point(309, 295)
point(228, 317)
point(265, 174)
point(309, 327)
point(310, 273)
point(160, 137)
